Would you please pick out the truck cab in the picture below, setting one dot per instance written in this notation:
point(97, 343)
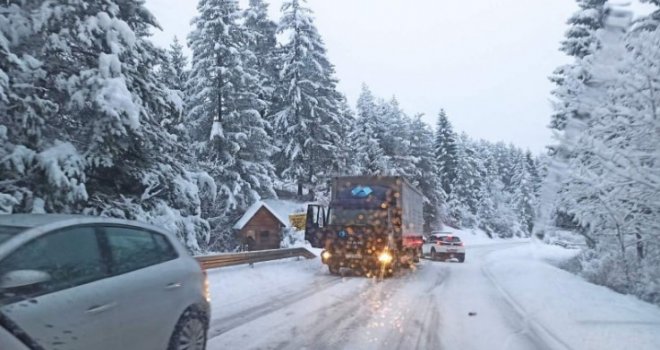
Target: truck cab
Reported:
point(367, 225)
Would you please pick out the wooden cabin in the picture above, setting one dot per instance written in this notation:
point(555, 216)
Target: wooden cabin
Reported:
point(262, 224)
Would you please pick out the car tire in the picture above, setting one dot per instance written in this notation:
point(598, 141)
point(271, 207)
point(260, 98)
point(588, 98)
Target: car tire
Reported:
point(461, 258)
point(190, 333)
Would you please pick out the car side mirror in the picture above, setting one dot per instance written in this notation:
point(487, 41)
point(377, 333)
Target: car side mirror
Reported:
point(23, 278)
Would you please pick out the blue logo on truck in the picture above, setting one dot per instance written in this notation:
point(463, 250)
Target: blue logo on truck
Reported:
point(362, 192)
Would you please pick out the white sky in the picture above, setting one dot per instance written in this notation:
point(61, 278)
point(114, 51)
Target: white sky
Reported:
point(486, 62)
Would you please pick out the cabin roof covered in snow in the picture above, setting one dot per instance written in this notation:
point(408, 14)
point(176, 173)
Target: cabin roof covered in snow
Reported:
point(281, 209)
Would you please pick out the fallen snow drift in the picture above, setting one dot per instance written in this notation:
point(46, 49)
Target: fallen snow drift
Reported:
point(576, 313)
point(477, 237)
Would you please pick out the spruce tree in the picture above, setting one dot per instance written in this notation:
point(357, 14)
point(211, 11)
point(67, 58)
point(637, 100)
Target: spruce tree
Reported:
point(307, 110)
point(261, 44)
point(581, 40)
point(426, 174)
point(524, 195)
point(89, 137)
point(226, 124)
point(466, 188)
point(446, 152)
point(173, 71)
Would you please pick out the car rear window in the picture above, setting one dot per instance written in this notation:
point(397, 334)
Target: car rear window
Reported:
point(452, 239)
point(7, 232)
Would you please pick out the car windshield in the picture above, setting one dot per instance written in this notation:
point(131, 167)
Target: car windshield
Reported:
point(7, 232)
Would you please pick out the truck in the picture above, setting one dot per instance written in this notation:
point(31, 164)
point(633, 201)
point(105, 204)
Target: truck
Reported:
point(372, 225)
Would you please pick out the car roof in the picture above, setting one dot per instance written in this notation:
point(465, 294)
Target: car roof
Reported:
point(34, 220)
point(38, 224)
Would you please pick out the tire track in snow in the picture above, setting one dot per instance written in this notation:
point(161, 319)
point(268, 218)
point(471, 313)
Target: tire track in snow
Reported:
point(422, 317)
point(238, 319)
point(335, 325)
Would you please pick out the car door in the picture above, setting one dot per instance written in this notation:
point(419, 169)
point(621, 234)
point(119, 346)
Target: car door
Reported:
point(150, 283)
point(71, 310)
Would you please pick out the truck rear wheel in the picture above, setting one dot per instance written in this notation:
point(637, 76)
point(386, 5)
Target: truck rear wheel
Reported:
point(461, 257)
point(334, 269)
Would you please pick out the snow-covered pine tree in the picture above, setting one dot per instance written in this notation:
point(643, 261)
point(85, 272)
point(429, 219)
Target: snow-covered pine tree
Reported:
point(368, 111)
point(426, 174)
point(580, 41)
point(108, 102)
point(174, 67)
point(262, 43)
point(494, 212)
point(173, 73)
point(395, 139)
point(370, 159)
point(368, 133)
point(523, 200)
point(446, 152)
point(652, 21)
point(229, 132)
point(533, 166)
point(307, 112)
point(466, 189)
point(345, 162)
point(610, 181)
point(38, 166)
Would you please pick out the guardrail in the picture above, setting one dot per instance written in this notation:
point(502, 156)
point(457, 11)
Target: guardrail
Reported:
point(231, 259)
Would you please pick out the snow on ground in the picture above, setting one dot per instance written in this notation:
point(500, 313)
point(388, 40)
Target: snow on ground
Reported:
point(507, 295)
point(477, 237)
point(235, 289)
point(567, 310)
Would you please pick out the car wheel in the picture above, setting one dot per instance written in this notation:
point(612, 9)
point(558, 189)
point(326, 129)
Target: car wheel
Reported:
point(190, 332)
point(461, 258)
point(434, 255)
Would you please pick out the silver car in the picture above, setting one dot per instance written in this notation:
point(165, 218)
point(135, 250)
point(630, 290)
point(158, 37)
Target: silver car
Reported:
point(76, 282)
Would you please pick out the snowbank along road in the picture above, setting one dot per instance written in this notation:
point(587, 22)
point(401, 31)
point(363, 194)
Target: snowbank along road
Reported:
point(439, 305)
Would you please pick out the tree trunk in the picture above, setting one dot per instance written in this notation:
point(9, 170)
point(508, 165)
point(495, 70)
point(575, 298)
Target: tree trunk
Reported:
point(640, 247)
point(300, 188)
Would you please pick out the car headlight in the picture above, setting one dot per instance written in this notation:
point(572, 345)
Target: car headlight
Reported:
point(385, 258)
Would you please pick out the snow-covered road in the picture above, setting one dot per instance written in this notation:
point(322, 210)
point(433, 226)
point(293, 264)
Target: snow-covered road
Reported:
point(298, 305)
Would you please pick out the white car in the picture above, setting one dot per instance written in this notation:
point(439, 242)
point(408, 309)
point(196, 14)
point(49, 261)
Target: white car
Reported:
point(443, 246)
point(75, 282)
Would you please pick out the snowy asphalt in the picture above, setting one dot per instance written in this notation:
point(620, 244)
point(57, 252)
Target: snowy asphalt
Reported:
point(298, 305)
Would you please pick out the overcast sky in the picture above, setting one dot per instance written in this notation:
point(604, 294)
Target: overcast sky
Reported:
point(486, 62)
